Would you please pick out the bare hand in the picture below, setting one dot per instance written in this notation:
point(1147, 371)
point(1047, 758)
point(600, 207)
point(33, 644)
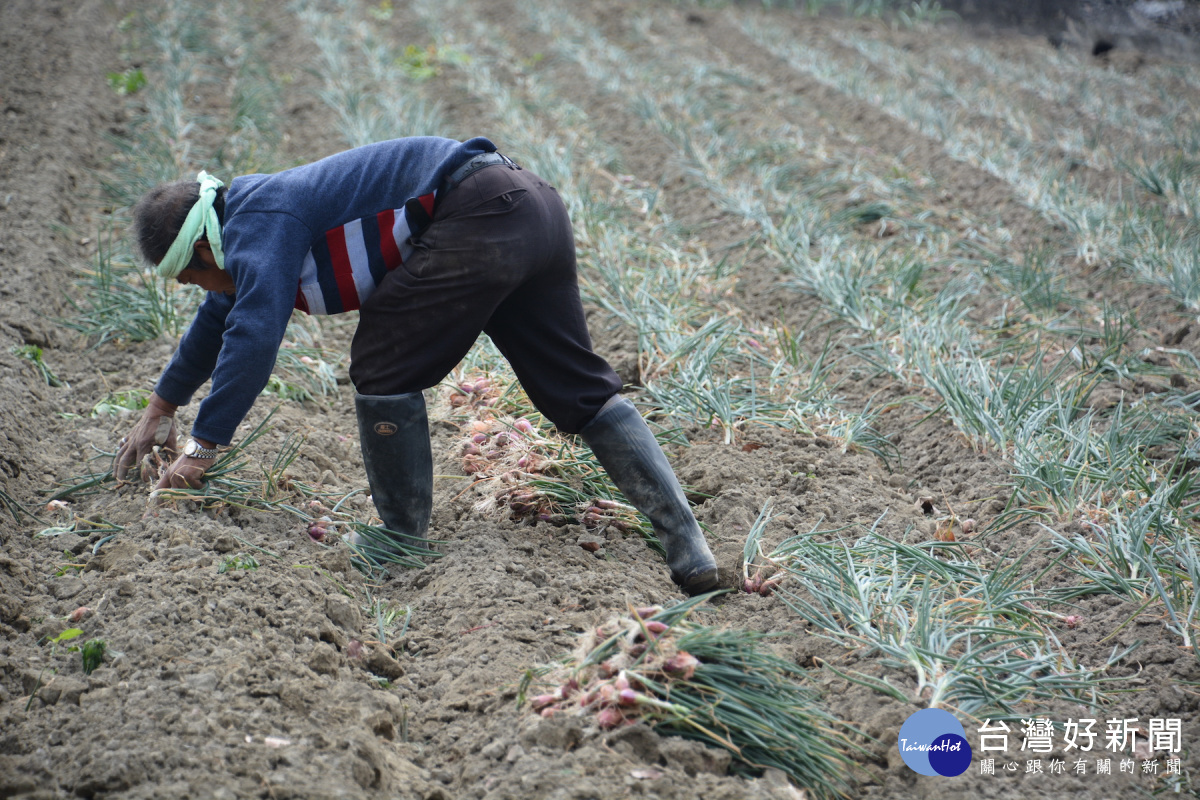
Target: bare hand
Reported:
point(151, 443)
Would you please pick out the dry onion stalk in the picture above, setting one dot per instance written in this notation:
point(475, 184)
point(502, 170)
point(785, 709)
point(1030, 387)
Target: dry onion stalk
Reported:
point(716, 685)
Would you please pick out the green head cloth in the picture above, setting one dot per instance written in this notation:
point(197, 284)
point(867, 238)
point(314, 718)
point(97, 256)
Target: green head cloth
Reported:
point(201, 222)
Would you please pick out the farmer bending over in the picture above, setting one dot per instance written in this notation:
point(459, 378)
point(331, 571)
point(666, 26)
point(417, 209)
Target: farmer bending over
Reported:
point(432, 241)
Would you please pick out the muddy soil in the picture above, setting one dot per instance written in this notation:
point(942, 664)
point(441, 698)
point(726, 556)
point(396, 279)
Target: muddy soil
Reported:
point(276, 682)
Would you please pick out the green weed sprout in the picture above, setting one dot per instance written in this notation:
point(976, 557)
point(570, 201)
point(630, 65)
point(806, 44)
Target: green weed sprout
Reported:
point(235, 562)
point(423, 63)
point(33, 354)
point(131, 81)
point(118, 404)
point(92, 652)
point(387, 617)
point(62, 638)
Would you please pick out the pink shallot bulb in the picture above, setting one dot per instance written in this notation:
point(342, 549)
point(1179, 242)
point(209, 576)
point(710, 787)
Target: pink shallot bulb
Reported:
point(681, 665)
point(609, 718)
point(542, 701)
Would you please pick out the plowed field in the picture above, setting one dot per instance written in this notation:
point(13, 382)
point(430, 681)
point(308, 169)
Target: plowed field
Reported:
point(914, 306)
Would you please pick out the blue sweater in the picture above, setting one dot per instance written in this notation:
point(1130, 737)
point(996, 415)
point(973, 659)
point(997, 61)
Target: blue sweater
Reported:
point(318, 238)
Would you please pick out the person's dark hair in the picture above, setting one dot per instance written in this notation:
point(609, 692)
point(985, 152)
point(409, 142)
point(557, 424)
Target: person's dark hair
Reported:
point(159, 215)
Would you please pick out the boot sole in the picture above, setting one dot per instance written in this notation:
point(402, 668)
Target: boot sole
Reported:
point(700, 582)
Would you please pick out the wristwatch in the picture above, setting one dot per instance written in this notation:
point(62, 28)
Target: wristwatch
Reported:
point(193, 450)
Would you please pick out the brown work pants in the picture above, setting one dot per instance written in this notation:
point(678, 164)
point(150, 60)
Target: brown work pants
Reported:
point(498, 257)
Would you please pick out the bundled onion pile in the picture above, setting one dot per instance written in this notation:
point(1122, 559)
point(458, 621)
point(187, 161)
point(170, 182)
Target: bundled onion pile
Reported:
point(493, 447)
point(475, 393)
point(618, 689)
point(658, 667)
point(530, 473)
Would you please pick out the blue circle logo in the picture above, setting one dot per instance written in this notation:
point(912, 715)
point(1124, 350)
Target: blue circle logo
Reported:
point(933, 742)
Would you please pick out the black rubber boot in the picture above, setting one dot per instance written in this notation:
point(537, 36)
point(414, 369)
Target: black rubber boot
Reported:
point(394, 432)
point(630, 454)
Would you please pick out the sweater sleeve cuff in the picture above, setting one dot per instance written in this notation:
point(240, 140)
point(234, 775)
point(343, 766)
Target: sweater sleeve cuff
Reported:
point(173, 391)
point(218, 436)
